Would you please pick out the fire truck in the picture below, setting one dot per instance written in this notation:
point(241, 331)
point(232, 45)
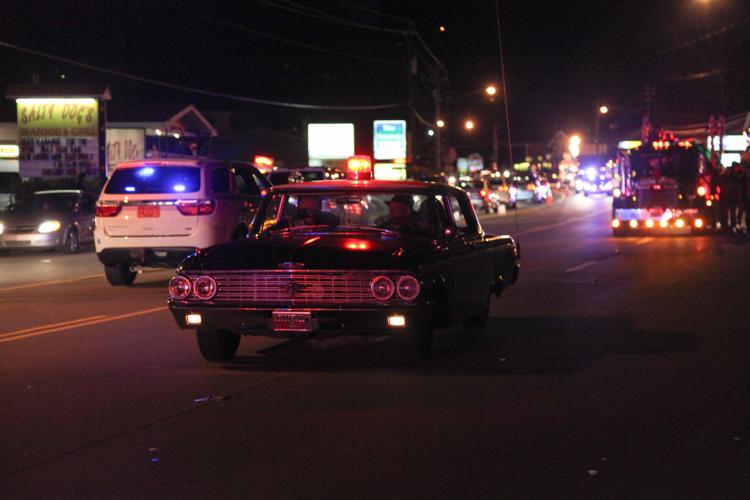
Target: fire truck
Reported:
point(662, 185)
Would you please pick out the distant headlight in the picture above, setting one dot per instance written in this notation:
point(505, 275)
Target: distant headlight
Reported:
point(49, 226)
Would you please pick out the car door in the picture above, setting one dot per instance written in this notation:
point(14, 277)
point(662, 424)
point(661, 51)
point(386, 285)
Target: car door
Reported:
point(472, 265)
point(248, 190)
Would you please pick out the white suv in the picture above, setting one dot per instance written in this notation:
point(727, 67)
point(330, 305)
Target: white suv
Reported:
point(154, 213)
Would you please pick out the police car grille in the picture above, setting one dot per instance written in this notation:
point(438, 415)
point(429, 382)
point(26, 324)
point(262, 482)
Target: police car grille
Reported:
point(295, 287)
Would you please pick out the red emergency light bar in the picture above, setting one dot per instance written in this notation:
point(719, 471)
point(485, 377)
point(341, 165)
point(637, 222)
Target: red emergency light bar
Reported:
point(359, 167)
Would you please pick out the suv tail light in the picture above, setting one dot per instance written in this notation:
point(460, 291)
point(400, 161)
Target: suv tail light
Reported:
point(108, 210)
point(196, 207)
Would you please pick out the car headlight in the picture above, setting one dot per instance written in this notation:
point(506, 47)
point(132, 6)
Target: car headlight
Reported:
point(49, 226)
point(2, 228)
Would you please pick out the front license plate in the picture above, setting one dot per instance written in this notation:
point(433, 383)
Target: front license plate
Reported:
point(148, 211)
point(292, 321)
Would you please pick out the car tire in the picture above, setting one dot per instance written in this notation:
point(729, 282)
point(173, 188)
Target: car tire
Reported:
point(217, 345)
point(119, 274)
point(71, 243)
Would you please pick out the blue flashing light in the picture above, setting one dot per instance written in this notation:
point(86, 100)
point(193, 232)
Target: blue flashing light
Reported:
point(130, 189)
point(179, 188)
point(145, 172)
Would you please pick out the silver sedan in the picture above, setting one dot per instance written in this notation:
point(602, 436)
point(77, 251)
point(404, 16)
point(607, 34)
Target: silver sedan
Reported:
point(60, 219)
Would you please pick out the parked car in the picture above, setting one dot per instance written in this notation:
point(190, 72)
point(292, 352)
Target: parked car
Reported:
point(346, 257)
point(60, 219)
point(531, 188)
point(287, 175)
point(482, 195)
point(154, 213)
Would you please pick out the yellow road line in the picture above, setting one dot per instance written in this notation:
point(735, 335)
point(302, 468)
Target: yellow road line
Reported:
point(55, 282)
point(53, 325)
point(105, 319)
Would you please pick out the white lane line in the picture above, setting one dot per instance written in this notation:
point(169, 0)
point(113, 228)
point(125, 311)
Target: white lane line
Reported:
point(563, 223)
point(54, 282)
point(106, 319)
point(53, 325)
point(645, 240)
point(581, 266)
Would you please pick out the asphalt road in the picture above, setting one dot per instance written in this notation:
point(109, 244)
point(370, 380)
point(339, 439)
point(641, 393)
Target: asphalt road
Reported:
point(614, 368)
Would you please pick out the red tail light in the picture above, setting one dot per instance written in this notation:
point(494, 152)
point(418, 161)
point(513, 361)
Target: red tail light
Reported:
point(196, 207)
point(108, 210)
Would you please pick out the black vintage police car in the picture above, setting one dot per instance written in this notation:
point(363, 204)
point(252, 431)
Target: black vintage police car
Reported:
point(346, 257)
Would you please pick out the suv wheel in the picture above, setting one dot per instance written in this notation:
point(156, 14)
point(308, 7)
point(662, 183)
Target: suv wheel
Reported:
point(217, 345)
point(71, 244)
point(119, 274)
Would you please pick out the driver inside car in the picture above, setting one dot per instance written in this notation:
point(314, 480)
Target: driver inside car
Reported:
point(401, 215)
point(310, 213)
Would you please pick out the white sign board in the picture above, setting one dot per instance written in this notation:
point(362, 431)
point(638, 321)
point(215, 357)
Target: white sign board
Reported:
point(124, 144)
point(330, 141)
point(389, 139)
point(58, 137)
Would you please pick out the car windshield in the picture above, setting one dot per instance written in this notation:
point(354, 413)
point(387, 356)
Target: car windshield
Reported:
point(154, 179)
point(403, 212)
point(312, 175)
point(57, 202)
point(277, 178)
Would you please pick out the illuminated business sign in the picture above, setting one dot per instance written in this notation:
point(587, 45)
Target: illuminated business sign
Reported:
point(389, 139)
point(58, 137)
point(330, 141)
point(389, 171)
point(734, 143)
point(9, 151)
point(124, 144)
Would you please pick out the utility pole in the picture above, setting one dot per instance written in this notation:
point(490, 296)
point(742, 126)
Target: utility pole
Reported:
point(438, 130)
point(650, 95)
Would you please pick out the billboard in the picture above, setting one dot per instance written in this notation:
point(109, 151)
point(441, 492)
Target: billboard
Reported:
point(330, 141)
point(124, 144)
point(389, 139)
point(58, 137)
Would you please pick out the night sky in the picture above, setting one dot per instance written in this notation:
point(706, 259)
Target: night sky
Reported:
point(562, 58)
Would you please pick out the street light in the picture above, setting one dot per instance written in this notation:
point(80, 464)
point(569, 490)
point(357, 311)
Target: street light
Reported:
point(491, 90)
point(440, 123)
point(469, 124)
point(603, 110)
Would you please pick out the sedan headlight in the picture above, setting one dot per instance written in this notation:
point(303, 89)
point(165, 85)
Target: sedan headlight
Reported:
point(49, 226)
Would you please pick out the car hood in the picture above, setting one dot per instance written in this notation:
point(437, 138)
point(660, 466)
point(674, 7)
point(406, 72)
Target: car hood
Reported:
point(23, 219)
point(316, 250)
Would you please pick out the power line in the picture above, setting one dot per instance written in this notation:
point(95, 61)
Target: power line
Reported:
point(373, 11)
point(184, 88)
point(317, 14)
point(275, 37)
